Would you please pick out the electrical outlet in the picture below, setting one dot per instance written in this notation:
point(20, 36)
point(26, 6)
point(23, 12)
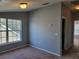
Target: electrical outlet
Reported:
point(56, 34)
point(39, 42)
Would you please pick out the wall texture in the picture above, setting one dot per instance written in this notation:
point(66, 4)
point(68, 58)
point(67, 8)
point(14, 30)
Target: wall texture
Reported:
point(16, 15)
point(45, 28)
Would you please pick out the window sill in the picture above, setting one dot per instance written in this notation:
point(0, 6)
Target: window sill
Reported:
point(9, 43)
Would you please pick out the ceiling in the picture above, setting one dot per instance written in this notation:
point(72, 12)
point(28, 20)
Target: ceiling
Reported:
point(72, 5)
point(13, 5)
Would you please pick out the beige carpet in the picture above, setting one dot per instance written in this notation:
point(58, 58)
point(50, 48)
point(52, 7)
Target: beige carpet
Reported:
point(32, 53)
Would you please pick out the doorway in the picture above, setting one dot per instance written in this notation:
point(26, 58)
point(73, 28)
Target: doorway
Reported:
point(63, 34)
point(76, 33)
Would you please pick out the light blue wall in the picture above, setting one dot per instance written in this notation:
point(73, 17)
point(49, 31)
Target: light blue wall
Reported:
point(45, 28)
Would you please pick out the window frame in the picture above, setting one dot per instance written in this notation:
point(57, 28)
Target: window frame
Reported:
point(7, 32)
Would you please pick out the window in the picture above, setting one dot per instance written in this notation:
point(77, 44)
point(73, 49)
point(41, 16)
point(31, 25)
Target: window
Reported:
point(76, 27)
point(2, 31)
point(10, 30)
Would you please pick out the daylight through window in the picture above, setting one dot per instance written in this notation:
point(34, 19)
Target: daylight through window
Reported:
point(10, 30)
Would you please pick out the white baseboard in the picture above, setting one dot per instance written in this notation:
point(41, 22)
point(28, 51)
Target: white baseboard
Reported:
point(46, 51)
point(14, 48)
